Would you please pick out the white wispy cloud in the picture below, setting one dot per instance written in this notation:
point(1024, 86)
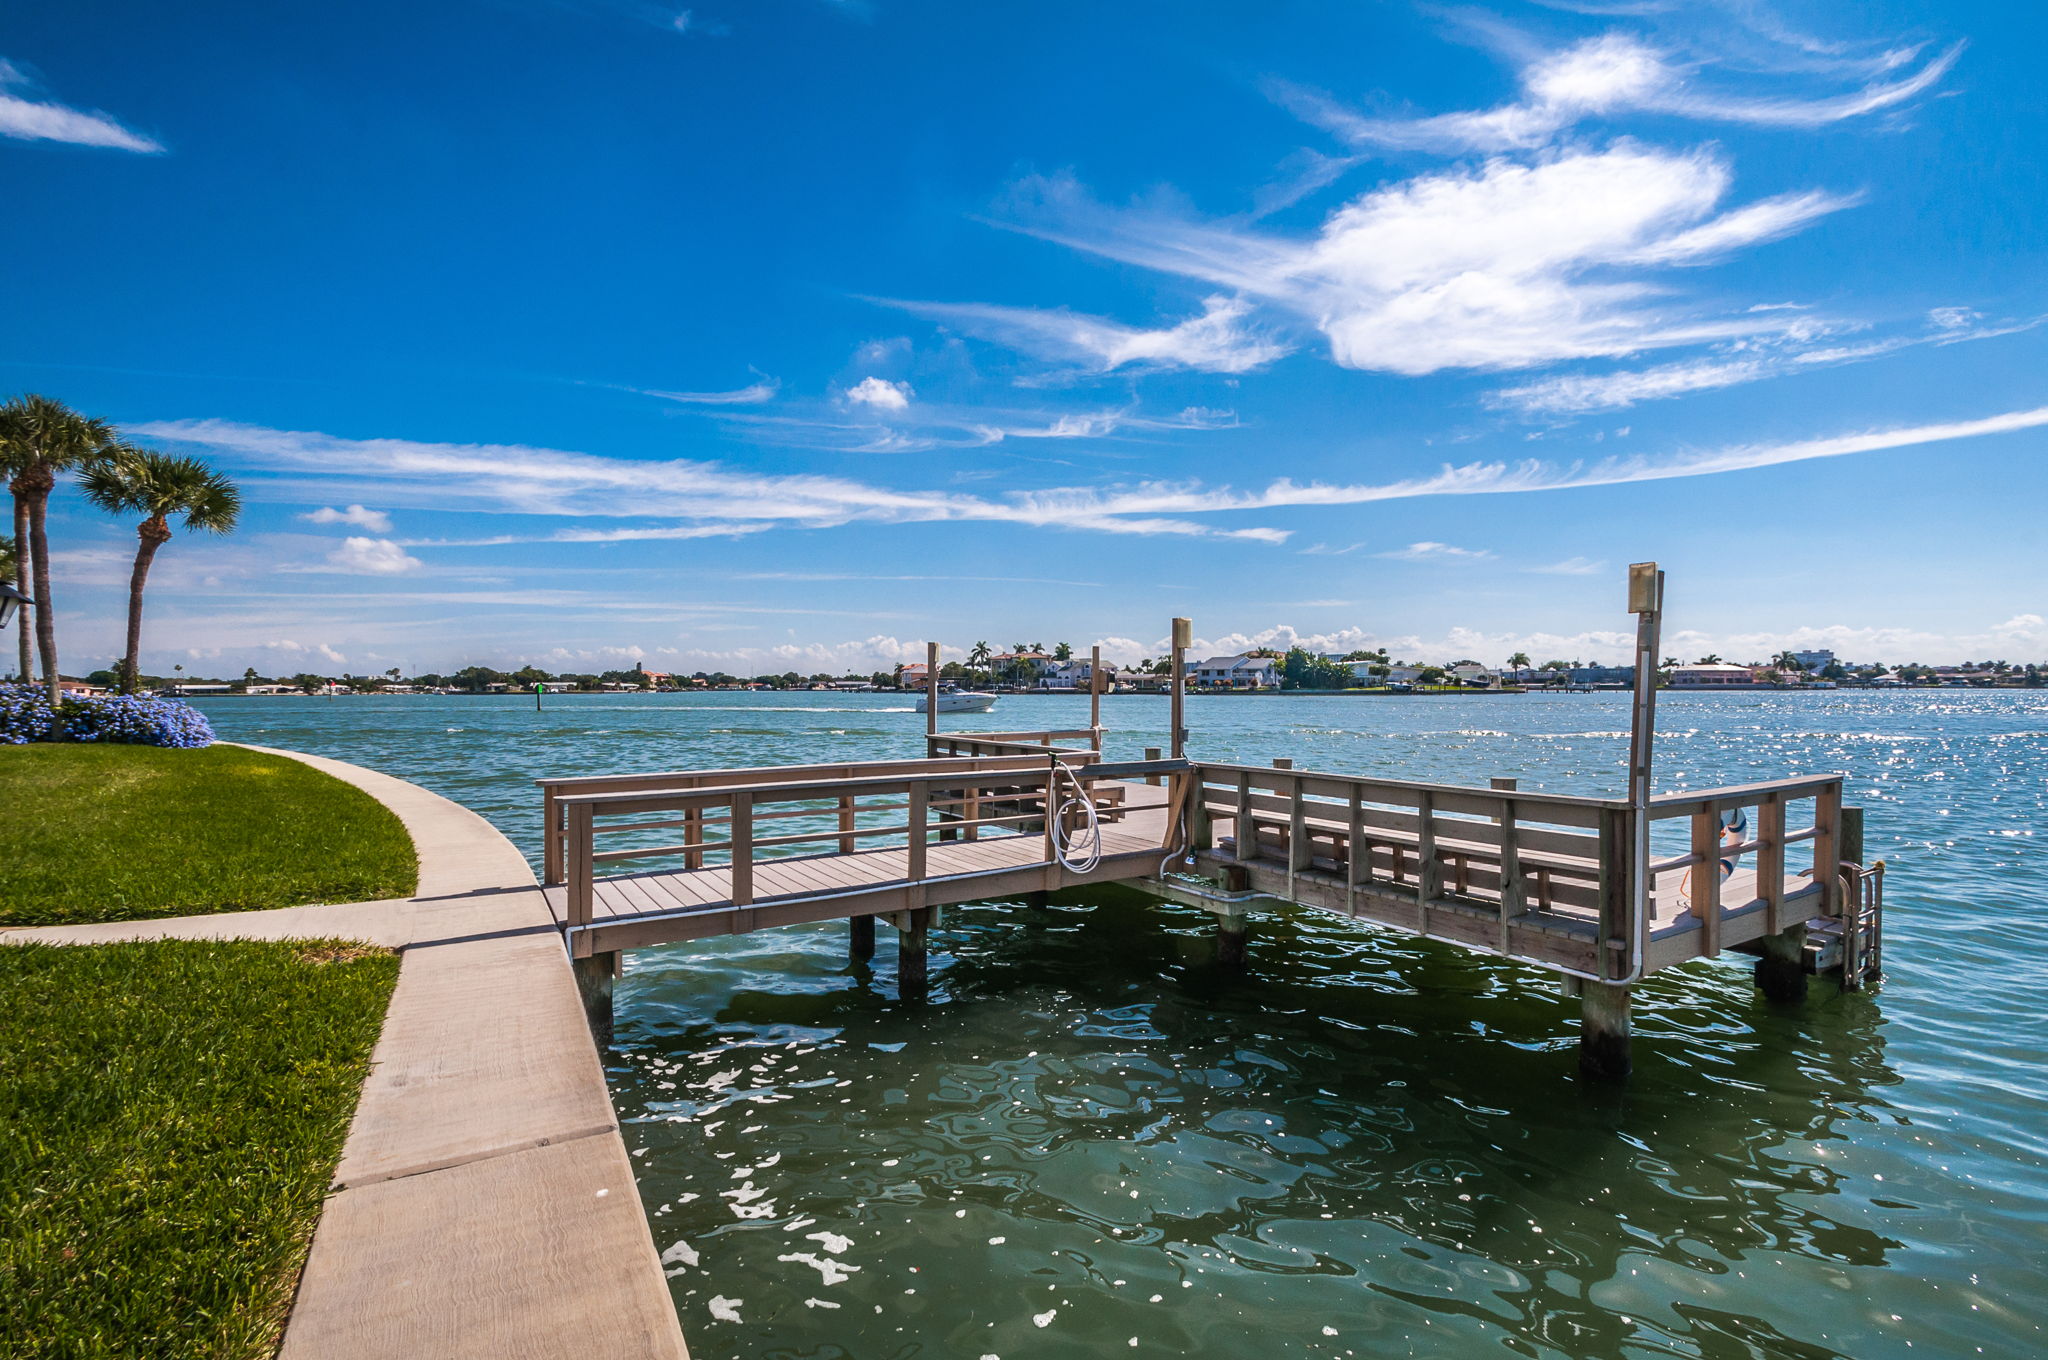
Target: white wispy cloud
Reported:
point(32, 119)
point(1216, 341)
point(753, 394)
point(1435, 552)
point(362, 517)
point(1570, 566)
point(1613, 73)
point(924, 425)
point(880, 394)
point(1796, 350)
point(555, 482)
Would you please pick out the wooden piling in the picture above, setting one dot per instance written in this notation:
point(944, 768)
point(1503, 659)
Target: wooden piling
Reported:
point(1781, 964)
point(912, 956)
point(860, 938)
point(1604, 1032)
point(1232, 930)
point(595, 976)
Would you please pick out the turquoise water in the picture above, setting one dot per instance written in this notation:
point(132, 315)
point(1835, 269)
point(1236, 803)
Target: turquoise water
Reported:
point(1091, 1142)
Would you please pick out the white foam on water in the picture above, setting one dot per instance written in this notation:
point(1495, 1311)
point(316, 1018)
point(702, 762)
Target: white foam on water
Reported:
point(725, 1309)
point(834, 1244)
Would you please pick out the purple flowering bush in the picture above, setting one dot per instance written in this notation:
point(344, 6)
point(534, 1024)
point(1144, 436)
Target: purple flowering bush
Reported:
point(25, 717)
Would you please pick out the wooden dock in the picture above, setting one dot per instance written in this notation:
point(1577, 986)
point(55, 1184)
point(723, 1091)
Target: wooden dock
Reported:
point(1603, 891)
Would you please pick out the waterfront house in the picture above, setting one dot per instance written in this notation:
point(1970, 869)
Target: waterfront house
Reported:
point(1235, 672)
point(1705, 675)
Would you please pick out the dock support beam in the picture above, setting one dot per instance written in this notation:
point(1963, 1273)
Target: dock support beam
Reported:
point(912, 955)
point(1232, 928)
point(594, 978)
point(860, 938)
point(1781, 964)
point(1604, 1032)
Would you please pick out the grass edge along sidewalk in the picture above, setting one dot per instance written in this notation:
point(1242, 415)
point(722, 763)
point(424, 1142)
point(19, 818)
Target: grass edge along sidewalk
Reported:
point(171, 1114)
point(117, 833)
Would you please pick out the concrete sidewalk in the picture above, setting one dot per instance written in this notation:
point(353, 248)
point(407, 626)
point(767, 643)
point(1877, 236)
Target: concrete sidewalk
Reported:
point(484, 1205)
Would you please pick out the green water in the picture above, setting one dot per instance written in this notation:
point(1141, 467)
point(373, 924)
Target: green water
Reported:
point(1091, 1141)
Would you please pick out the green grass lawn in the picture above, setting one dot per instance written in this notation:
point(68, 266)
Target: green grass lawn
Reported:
point(118, 833)
point(171, 1114)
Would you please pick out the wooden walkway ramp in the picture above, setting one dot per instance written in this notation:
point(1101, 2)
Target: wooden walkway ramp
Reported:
point(656, 907)
point(754, 848)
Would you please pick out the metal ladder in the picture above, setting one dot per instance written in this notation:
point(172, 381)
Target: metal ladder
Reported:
point(1862, 925)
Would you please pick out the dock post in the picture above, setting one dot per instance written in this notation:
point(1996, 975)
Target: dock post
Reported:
point(860, 938)
point(594, 978)
point(912, 955)
point(1232, 928)
point(1781, 964)
point(1177, 738)
point(931, 693)
point(1604, 1031)
point(1849, 835)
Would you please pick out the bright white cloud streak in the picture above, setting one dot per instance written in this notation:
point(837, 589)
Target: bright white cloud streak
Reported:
point(33, 120)
point(541, 481)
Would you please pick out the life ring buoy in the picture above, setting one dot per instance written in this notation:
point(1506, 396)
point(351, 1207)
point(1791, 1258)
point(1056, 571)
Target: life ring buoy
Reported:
point(1734, 833)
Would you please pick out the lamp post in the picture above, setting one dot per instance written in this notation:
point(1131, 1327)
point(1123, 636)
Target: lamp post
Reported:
point(11, 601)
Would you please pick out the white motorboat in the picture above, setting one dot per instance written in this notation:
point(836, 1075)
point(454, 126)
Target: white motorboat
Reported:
point(955, 700)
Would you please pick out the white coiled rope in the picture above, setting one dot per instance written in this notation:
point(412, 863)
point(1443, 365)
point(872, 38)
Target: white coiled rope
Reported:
point(1076, 830)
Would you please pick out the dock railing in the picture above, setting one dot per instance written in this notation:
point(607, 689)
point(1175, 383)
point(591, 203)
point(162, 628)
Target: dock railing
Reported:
point(1077, 744)
point(1765, 807)
point(1512, 858)
point(739, 824)
point(553, 791)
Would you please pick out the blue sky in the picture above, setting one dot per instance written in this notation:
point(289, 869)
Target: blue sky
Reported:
point(789, 334)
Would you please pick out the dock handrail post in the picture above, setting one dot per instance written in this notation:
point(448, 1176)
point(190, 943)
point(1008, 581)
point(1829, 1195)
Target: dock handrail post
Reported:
point(1646, 602)
point(931, 693)
point(578, 906)
point(551, 838)
point(740, 840)
point(846, 823)
point(1827, 848)
point(1706, 877)
point(1183, 637)
point(1770, 860)
point(1095, 697)
point(920, 807)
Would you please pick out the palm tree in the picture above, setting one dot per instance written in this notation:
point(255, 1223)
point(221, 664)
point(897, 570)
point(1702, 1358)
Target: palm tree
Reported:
point(1710, 659)
point(1519, 661)
point(979, 657)
point(13, 572)
point(40, 437)
point(1785, 661)
point(134, 481)
point(1063, 651)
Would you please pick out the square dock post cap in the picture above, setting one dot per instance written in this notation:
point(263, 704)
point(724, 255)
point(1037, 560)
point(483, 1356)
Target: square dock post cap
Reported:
point(1645, 588)
point(1183, 633)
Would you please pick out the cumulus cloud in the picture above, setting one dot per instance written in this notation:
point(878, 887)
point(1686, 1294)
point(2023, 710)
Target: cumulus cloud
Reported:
point(372, 557)
point(1554, 248)
point(31, 119)
point(1506, 265)
point(880, 394)
point(376, 521)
